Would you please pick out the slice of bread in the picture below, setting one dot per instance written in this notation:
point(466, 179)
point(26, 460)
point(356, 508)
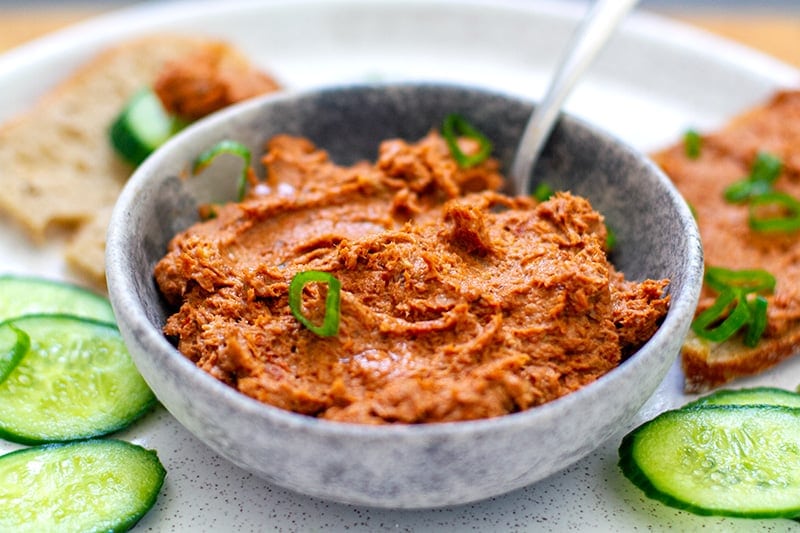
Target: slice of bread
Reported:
point(707, 365)
point(58, 167)
point(726, 157)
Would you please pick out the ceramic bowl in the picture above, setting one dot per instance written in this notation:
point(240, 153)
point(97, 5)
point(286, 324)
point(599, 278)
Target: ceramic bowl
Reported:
point(402, 466)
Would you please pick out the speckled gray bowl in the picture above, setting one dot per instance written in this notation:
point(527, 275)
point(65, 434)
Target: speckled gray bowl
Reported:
point(401, 466)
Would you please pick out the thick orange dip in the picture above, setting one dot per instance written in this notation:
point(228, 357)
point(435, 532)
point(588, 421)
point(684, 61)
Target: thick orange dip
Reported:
point(457, 302)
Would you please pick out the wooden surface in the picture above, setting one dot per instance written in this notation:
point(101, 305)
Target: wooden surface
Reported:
point(778, 36)
point(775, 34)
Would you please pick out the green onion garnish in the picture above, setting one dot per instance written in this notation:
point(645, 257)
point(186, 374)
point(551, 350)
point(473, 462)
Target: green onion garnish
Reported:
point(611, 238)
point(543, 192)
point(766, 167)
point(456, 126)
point(692, 143)
point(763, 174)
point(757, 190)
point(330, 323)
point(226, 146)
point(789, 207)
point(750, 280)
point(732, 323)
point(743, 190)
point(733, 310)
point(758, 321)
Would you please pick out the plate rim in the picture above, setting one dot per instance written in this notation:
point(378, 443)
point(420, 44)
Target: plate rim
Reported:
point(104, 28)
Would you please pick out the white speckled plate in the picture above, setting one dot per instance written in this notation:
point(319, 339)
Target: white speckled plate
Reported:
point(654, 80)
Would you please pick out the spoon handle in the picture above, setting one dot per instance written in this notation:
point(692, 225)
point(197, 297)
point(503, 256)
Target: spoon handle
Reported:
point(597, 26)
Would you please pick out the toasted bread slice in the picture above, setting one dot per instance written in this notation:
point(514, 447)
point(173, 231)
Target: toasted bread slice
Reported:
point(59, 168)
point(726, 157)
point(707, 365)
point(85, 251)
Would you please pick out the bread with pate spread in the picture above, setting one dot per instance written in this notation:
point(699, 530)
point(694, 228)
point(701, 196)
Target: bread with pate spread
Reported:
point(59, 168)
point(726, 157)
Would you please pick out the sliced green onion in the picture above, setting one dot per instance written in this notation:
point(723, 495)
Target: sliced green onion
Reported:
point(743, 190)
point(692, 143)
point(737, 192)
point(543, 192)
point(330, 323)
point(757, 190)
point(226, 146)
point(456, 126)
point(766, 167)
point(758, 321)
point(790, 206)
point(734, 286)
point(611, 238)
point(732, 323)
point(763, 173)
point(749, 280)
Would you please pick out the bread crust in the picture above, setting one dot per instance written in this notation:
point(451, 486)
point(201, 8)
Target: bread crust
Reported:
point(708, 365)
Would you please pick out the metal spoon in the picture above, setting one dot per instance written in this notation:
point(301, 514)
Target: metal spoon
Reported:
point(598, 25)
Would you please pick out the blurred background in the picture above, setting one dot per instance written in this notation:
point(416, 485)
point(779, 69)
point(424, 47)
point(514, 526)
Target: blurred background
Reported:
point(772, 26)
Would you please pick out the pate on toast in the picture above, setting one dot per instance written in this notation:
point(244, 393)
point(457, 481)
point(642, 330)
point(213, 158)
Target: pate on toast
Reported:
point(59, 167)
point(726, 157)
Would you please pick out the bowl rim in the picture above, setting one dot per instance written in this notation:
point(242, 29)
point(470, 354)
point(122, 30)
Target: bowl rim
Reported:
point(131, 312)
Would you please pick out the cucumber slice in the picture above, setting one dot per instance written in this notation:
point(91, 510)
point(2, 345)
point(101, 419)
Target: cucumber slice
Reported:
point(719, 460)
point(14, 344)
point(76, 381)
point(93, 485)
point(141, 127)
point(22, 295)
point(750, 396)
